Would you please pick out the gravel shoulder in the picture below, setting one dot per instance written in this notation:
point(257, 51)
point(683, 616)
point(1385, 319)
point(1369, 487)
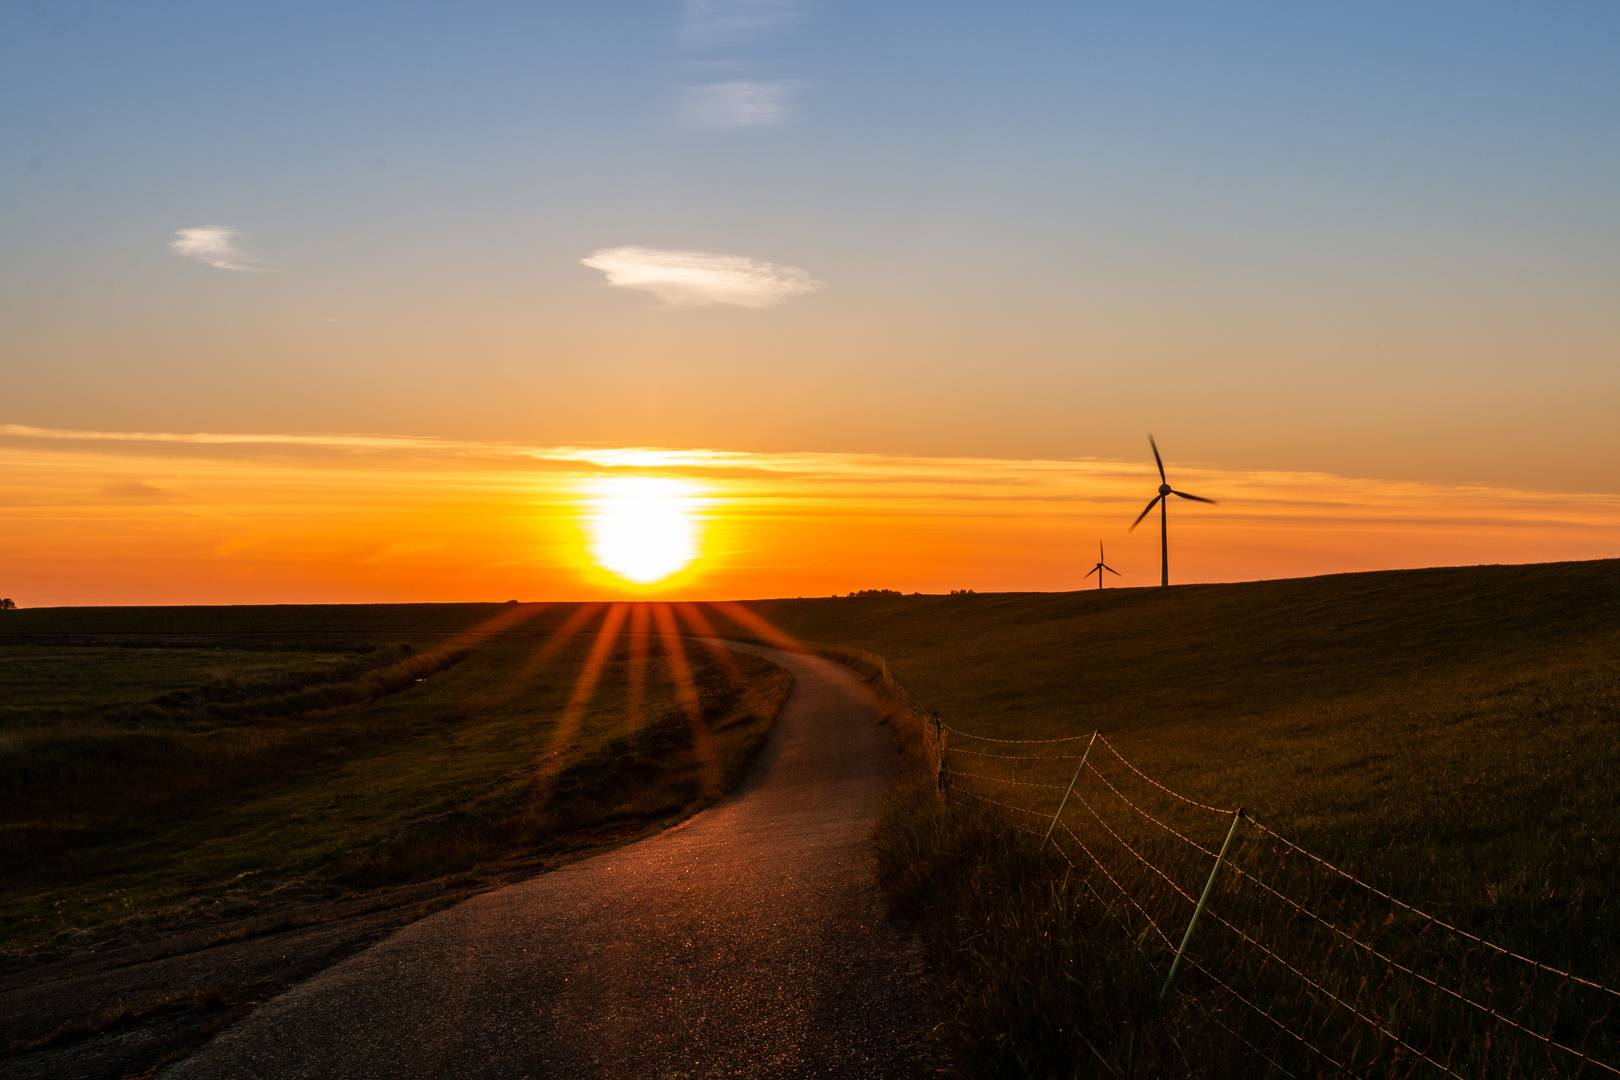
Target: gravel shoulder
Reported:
point(748, 941)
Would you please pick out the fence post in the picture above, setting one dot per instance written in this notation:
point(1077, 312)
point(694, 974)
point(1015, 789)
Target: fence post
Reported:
point(1209, 887)
point(1072, 781)
point(939, 753)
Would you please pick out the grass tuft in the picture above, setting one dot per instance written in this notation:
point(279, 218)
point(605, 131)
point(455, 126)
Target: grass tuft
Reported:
point(207, 999)
point(1030, 975)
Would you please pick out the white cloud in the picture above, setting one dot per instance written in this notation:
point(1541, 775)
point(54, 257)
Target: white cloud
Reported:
point(696, 278)
point(739, 103)
point(214, 246)
point(709, 23)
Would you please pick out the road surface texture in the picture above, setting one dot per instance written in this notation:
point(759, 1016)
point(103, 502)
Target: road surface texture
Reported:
point(747, 942)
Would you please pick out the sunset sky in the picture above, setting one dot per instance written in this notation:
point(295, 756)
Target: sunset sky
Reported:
point(307, 302)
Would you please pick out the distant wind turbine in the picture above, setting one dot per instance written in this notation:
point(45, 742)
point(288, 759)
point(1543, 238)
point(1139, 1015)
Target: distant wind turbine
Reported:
point(1163, 499)
point(1101, 566)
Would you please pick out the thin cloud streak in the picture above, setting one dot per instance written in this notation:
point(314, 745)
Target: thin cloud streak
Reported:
point(700, 278)
point(214, 245)
point(1304, 496)
point(714, 23)
point(736, 103)
point(739, 103)
point(286, 517)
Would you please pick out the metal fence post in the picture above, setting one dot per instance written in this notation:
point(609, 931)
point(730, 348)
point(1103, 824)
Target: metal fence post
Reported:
point(1209, 887)
point(1072, 781)
point(939, 754)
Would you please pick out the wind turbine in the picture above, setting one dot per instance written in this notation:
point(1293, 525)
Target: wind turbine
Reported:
point(1163, 499)
point(1101, 566)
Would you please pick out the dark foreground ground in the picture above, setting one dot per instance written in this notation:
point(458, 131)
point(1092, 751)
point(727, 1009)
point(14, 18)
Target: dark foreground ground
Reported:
point(197, 815)
point(158, 991)
point(749, 941)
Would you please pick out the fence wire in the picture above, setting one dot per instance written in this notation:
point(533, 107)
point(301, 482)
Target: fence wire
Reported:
point(1314, 971)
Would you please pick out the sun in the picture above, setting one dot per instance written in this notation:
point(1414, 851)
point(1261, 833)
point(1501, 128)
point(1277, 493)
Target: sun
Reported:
point(643, 528)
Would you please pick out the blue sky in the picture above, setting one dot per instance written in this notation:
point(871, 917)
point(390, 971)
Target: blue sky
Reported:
point(1372, 239)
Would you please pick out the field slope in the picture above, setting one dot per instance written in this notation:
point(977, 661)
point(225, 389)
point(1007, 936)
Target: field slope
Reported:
point(152, 757)
point(1453, 735)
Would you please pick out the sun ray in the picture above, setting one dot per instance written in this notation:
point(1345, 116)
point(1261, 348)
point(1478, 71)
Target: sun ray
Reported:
point(706, 636)
point(512, 615)
point(557, 749)
point(635, 691)
point(686, 691)
point(553, 645)
point(758, 624)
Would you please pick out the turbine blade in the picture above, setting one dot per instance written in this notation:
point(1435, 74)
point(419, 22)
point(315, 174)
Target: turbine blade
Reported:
point(1111, 570)
point(1144, 513)
point(1195, 498)
point(1157, 458)
point(1093, 570)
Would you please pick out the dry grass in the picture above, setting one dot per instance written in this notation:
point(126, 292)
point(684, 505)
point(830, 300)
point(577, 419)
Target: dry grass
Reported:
point(1450, 735)
point(208, 999)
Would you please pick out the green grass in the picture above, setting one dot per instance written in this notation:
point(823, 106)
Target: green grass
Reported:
point(1450, 735)
point(42, 681)
point(139, 770)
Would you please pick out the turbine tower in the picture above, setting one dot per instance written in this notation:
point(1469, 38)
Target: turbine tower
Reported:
point(1163, 499)
point(1100, 567)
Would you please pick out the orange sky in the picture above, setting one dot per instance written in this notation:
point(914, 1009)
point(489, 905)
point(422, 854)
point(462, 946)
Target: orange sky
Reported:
point(921, 277)
point(128, 518)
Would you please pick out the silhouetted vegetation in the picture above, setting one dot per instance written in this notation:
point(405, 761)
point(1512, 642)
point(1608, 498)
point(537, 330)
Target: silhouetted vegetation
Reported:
point(1450, 735)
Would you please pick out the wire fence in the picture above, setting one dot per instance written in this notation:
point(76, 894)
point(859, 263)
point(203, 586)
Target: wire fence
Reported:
point(1316, 971)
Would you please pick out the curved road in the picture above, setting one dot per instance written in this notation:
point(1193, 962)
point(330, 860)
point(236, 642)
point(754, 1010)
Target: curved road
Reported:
point(747, 942)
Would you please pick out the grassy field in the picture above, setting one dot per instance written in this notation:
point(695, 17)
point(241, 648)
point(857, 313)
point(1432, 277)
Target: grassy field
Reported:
point(1452, 735)
point(150, 755)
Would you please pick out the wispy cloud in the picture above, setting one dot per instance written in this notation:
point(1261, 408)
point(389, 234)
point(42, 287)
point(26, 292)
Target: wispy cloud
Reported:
point(718, 104)
point(696, 278)
point(214, 245)
point(277, 516)
point(739, 103)
point(710, 23)
point(135, 491)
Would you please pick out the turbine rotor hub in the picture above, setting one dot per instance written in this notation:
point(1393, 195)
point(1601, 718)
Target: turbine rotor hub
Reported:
point(1164, 489)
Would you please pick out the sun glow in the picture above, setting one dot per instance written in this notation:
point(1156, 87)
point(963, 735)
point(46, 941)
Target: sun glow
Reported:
point(643, 529)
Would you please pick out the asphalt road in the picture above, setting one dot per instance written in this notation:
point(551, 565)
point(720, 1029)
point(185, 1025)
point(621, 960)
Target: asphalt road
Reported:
point(746, 942)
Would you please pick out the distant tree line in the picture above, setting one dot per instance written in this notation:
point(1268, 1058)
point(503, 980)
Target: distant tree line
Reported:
point(8, 604)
